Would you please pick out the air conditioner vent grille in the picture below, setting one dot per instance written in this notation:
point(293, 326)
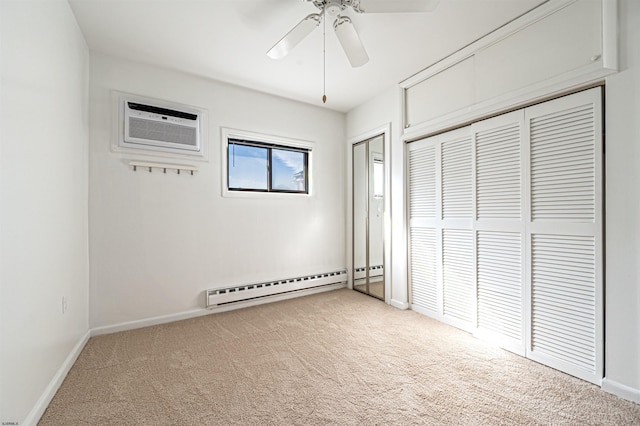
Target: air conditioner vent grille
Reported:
point(162, 132)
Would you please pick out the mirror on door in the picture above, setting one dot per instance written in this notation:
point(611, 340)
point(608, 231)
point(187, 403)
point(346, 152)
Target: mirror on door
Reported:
point(368, 217)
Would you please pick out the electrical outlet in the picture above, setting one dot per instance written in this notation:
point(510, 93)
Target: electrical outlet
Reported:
point(64, 304)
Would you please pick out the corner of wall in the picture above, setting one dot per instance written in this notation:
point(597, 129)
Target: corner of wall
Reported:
point(45, 398)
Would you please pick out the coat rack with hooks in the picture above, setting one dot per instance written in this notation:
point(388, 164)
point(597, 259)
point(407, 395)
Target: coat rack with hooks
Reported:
point(164, 167)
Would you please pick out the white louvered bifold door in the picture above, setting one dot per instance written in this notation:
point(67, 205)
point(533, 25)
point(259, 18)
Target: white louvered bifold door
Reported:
point(458, 242)
point(500, 241)
point(505, 233)
point(565, 234)
point(424, 227)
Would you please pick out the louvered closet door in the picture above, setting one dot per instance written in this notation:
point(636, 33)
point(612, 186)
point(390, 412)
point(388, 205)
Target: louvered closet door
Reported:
point(458, 242)
point(565, 234)
point(500, 230)
point(424, 227)
point(441, 241)
point(505, 235)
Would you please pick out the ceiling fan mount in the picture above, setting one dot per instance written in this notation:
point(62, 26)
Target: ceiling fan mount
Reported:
point(336, 6)
point(343, 26)
point(330, 7)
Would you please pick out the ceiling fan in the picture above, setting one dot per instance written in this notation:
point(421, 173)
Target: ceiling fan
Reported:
point(343, 27)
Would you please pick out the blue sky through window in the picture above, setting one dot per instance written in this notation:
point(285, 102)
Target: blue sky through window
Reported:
point(247, 167)
point(288, 170)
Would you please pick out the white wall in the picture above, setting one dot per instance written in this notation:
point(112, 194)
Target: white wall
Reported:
point(158, 241)
point(623, 210)
point(622, 368)
point(44, 213)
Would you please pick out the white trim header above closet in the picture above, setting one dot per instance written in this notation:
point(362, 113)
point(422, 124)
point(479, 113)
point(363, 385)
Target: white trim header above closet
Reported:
point(560, 46)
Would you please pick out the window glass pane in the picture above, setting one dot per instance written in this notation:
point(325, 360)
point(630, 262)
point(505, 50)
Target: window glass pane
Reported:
point(378, 178)
point(288, 170)
point(247, 167)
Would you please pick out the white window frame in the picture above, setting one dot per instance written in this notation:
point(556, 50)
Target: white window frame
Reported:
point(228, 133)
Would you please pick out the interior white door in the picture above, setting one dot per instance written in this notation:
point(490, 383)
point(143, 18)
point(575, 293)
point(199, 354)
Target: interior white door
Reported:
point(458, 245)
point(442, 247)
point(500, 230)
point(425, 227)
point(564, 234)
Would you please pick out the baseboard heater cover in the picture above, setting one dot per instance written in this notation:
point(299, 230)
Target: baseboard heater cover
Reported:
point(227, 295)
point(374, 270)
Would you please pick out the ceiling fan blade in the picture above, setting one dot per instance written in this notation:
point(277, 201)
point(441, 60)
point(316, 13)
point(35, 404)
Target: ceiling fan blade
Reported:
point(397, 6)
point(350, 41)
point(295, 36)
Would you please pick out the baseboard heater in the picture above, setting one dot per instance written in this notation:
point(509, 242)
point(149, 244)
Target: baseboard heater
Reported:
point(375, 270)
point(228, 295)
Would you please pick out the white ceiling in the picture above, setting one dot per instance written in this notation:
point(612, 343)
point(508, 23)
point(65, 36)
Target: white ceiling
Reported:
point(227, 40)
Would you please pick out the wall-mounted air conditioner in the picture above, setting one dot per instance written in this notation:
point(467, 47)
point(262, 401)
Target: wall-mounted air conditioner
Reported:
point(160, 126)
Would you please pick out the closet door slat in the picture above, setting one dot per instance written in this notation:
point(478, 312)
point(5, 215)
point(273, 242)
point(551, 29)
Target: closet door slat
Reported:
point(457, 178)
point(500, 283)
point(498, 172)
point(563, 165)
point(458, 275)
point(424, 269)
point(422, 182)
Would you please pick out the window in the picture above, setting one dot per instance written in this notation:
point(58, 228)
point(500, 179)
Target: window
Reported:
point(265, 167)
point(378, 178)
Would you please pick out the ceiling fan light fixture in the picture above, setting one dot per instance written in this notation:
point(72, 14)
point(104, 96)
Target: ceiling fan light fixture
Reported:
point(333, 8)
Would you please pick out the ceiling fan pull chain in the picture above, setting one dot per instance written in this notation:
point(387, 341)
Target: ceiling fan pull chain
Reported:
point(324, 60)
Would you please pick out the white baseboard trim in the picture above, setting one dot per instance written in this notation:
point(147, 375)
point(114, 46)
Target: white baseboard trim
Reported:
point(623, 391)
point(398, 304)
point(163, 319)
point(43, 402)
point(147, 322)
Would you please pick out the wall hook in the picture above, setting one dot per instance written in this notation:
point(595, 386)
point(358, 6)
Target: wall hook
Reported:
point(163, 166)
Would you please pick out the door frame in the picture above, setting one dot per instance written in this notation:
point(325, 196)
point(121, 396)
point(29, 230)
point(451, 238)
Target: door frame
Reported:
point(385, 131)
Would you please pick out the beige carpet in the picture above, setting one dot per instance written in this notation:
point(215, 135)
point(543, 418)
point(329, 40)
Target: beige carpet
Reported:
point(339, 358)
